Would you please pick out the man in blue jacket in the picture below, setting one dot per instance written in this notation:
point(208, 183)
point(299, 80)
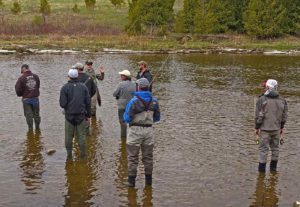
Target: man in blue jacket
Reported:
point(141, 112)
point(76, 102)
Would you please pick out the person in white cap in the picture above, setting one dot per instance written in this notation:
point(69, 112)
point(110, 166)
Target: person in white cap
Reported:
point(270, 118)
point(123, 93)
point(76, 102)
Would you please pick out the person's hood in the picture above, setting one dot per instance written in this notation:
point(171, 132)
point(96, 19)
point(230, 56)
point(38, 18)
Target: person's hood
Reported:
point(145, 95)
point(272, 94)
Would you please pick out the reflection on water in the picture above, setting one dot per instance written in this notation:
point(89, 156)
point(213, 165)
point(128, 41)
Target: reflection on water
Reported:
point(32, 163)
point(81, 173)
point(147, 197)
point(266, 194)
point(204, 144)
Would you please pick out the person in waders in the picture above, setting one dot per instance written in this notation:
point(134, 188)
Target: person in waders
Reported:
point(76, 102)
point(144, 73)
point(88, 82)
point(124, 93)
point(270, 118)
point(95, 76)
point(141, 112)
point(27, 87)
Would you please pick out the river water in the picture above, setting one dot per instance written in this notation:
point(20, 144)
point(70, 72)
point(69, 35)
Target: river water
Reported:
point(205, 154)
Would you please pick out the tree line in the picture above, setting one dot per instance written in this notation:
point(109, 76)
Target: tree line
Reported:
point(260, 18)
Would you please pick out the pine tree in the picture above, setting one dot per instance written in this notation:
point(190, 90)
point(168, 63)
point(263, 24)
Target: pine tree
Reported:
point(45, 9)
point(265, 18)
point(292, 22)
point(205, 20)
point(188, 14)
point(117, 2)
point(90, 4)
point(75, 9)
point(16, 8)
point(149, 14)
point(223, 12)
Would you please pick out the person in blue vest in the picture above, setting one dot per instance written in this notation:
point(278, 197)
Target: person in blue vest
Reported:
point(140, 113)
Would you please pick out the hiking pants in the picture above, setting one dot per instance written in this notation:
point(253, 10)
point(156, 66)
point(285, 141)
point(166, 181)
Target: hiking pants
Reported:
point(122, 123)
point(140, 138)
point(269, 139)
point(32, 112)
point(70, 132)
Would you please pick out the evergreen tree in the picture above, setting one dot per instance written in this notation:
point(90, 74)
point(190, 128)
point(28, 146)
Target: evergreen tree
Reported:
point(16, 8)
point(265, 18)
point(188, 14)
point(117, 2)
point(152, 14)
point(205, 20)
point(2, 12)
point(75, 9)
point(292, 22)
point(90, 4)
point(45, 9)
point(223, 12)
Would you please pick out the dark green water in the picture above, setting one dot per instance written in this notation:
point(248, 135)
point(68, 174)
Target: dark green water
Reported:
point(205, 153)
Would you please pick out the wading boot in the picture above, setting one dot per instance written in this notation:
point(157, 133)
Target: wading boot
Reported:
point(148, 180)
point(131, 181)
point(273, 165)
point(262, 167)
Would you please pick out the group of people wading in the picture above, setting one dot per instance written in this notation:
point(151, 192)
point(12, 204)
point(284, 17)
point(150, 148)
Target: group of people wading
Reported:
point(138, 109)
point(79, 97)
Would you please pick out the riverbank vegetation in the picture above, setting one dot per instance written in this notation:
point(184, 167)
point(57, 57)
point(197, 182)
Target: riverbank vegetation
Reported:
point(150, 24)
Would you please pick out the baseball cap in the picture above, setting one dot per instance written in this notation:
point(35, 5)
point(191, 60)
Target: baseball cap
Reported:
point(143, 82)
point(89, 62)
point(125, 72)
point(78, 66)
point(271, 83)
point(73, 73)
point(142, 63)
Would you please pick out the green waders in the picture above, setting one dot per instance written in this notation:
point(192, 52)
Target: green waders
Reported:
point(80, 131)
point(32, 112)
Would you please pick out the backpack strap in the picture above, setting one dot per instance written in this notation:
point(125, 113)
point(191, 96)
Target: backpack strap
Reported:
point(146, 104)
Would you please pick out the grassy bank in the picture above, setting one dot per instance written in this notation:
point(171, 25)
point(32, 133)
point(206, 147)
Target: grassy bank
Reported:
point(97, 43)
point(103, 27)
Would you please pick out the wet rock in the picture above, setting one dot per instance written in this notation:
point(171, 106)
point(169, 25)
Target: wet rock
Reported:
point(51, 151)
point(276, 52)
point(7, 52)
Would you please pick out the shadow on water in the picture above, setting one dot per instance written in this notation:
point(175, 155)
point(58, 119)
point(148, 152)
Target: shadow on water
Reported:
point(32, 163)
point(266, 194)
point(81, 173)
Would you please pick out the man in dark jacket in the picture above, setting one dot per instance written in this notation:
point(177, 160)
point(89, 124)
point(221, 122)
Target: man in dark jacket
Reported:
point(144, 73)
point(141, 112)
point(27, 87)
point(76, 102)
point(270, 118)
point(88, 82)
point(86, 79)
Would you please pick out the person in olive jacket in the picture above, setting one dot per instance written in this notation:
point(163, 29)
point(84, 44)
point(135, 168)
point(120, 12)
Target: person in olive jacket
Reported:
point(27, 87)
point(76, 102)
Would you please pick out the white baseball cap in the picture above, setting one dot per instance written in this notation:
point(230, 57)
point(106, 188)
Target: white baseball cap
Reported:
point(125, 72)
point(73, 73)
point(271, 83)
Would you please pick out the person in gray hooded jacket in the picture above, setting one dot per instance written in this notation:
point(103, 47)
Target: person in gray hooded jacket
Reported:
point(270, 118)
point(124, 93)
